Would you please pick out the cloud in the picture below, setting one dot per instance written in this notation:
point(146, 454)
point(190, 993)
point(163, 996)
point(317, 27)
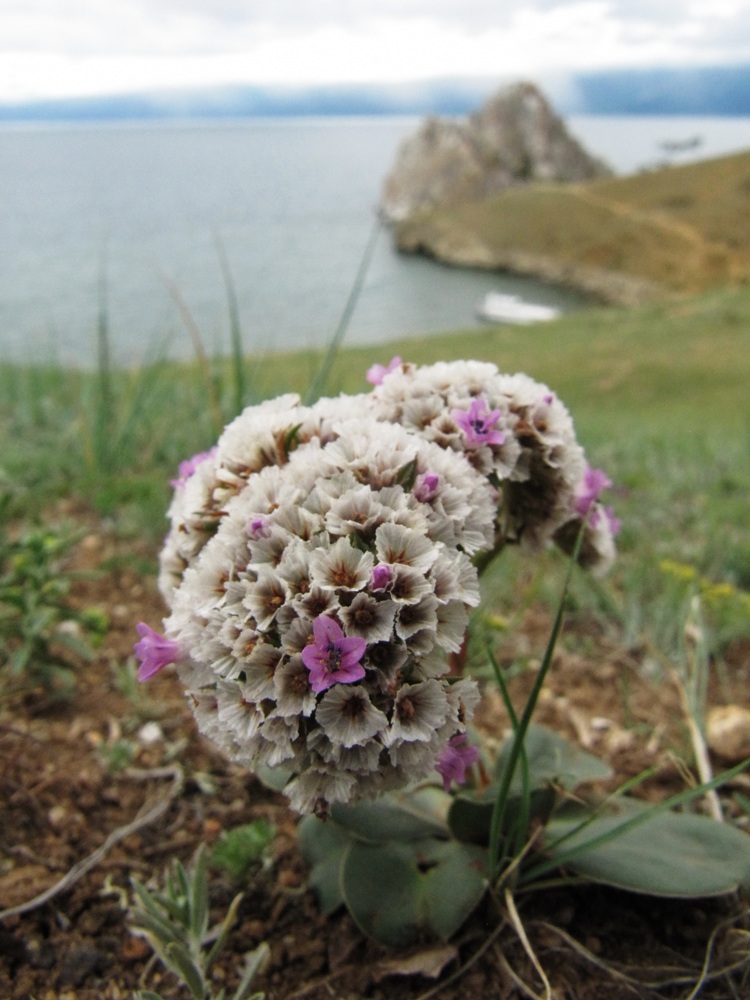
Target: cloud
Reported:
point(86, 46)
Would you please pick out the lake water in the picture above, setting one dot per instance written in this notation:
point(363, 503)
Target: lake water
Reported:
point(146, 212)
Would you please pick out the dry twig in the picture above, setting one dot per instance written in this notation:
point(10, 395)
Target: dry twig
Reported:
point(79, 869)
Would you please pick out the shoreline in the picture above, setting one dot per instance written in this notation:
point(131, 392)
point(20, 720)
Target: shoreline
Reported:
point(602, 286)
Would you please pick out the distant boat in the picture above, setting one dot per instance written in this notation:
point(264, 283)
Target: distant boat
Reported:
point(682, 145)
point(500, 307)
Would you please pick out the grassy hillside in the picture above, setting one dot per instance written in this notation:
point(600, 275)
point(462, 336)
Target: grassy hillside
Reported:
point(659, 397)
point(675, 372)
point(679, 229)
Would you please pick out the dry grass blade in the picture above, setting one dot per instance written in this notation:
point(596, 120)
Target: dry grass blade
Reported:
point(608, 967)
point(672, 978)
point(520, 930)
point(526, 990)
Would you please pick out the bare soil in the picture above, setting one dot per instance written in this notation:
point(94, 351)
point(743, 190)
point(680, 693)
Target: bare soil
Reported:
point(64, 932)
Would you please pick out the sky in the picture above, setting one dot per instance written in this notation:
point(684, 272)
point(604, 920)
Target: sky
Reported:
point(67, 48)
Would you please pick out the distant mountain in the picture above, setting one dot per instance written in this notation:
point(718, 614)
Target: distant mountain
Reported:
point(444, 97)
point(706, 90)
point(718, 90)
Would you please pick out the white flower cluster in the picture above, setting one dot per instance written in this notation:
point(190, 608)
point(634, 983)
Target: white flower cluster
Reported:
point(529, 453)
point(261, 436)
point(338, 532)
point(321, 562)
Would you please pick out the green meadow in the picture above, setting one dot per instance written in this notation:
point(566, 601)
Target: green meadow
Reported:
point(660, 397)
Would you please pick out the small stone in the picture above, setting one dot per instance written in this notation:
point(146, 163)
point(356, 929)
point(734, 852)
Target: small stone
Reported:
point(39, 953)
point(70, 627)
point(150, 733)
point(289, 879)
point(728, 732)
point(211, 828)
point(256, 929)
point(58, 817)
point(135, 949)
point(78, 965)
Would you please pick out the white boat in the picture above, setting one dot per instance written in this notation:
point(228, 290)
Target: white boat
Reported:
point(500, 307)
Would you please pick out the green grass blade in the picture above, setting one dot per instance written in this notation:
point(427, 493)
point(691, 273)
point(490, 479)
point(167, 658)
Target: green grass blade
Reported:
point(517, 835)
point(104, 413)
point(202, 359)
point(498, 812)
point(674, 801)
point(321, 378)
point(530, 873)
point(235, 329)
point(198, 897)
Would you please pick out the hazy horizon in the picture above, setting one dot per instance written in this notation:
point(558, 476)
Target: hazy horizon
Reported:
point(79, 49)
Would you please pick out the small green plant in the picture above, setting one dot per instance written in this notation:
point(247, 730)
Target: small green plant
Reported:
point(118, 755)
point(240, 850)
point(41, 633)
point(125, 681)
point(175, 922)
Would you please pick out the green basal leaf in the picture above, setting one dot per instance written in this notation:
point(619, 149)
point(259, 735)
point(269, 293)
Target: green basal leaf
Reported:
point(317, 838)
point(552, 760)
point(20, 658)
point(399, 816)
point(322, 845)
point(170, 906)
point(144, 896)
point(383, 891)
point(469, 817)
point(454, 886)
point(659, 852)
point(151, 916)
point(399, 892)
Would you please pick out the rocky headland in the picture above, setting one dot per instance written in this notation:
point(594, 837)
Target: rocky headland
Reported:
point(515, 138)
point(450, 167)
point(508, 189)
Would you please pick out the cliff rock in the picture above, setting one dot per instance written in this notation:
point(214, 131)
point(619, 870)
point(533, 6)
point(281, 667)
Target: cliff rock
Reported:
point(514, 138)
